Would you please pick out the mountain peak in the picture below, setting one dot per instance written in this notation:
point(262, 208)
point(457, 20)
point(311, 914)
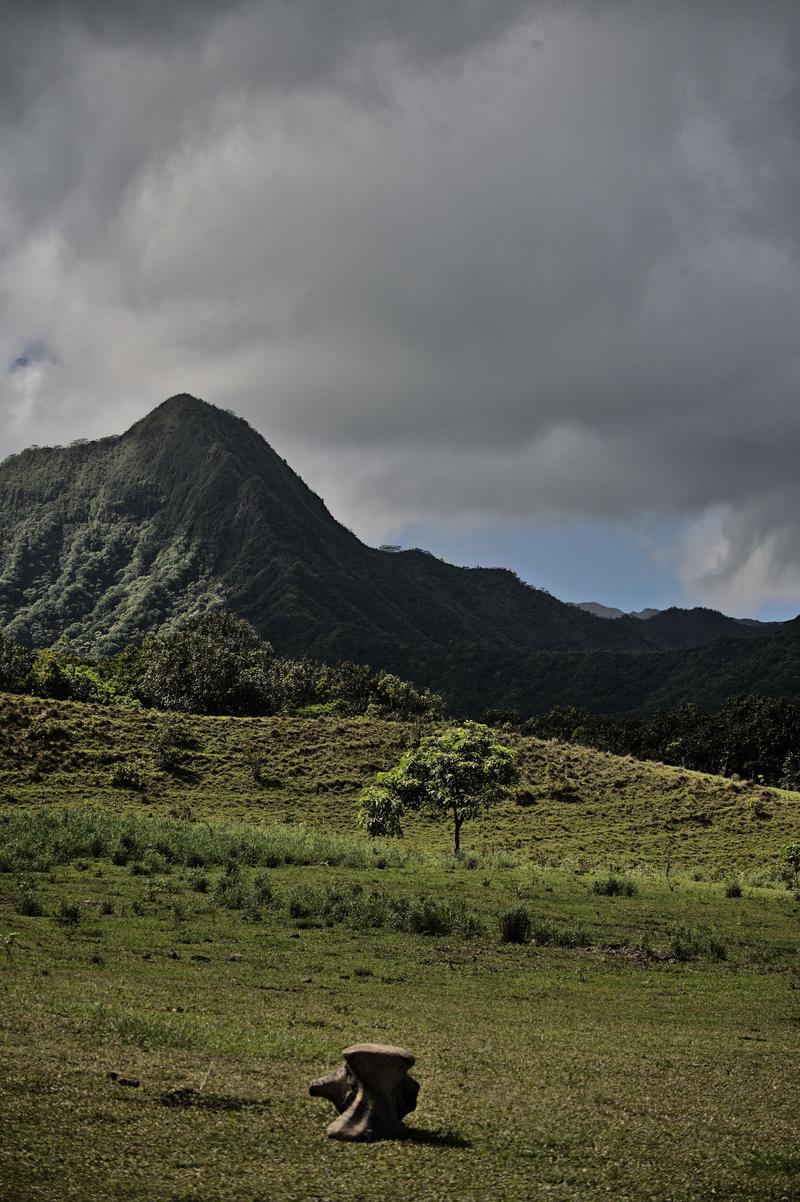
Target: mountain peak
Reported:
point(184, 407)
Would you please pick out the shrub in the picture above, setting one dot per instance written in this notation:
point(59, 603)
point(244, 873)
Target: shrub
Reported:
point(792, 855)
point(251, 910)
point(231, 891)
point(198, 880)
point(155, 863)
point(614, 886)
point(733, 889)
point(68, 913)
point(759, 810)
point(429, 916)
point(107, 907)
point(128, 774)
point(303, 902)
point(27, 901)
point(169, 744)
point(97, 847)
point(693, 943)
point(515, 925)
point(262, 889)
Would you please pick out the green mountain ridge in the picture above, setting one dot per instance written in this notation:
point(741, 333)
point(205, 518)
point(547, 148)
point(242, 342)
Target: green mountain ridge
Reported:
point(190, 508)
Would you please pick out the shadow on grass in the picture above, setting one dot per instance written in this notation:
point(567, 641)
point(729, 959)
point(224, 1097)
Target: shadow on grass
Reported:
point(445, 1137)
point(187, 1098)
point(180, 772)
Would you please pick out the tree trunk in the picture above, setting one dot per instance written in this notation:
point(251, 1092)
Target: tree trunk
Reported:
point(457, 823)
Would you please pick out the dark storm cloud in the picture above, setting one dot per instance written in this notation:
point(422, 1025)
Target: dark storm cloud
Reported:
point(303, 40)
point(459, 261)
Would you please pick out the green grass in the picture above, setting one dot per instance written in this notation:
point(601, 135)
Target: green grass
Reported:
point(220, 942)
point(562, 1071)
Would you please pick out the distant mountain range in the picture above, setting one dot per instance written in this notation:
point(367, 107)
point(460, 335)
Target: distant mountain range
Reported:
point(190, 508)
point(609, 611)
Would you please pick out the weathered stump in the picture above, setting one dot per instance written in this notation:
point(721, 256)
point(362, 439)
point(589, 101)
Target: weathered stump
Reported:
point(372, 1092)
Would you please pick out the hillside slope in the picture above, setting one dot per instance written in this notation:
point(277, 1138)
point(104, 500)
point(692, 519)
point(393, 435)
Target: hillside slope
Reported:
point(570, 801)
point(104, 541)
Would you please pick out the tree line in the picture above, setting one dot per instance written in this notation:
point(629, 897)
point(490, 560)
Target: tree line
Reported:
point(753, 737)
point(213, 663)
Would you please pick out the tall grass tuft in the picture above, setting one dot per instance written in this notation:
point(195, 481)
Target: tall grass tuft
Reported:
point(614, 886)
point(695, 943)
point(349, 903)
point(557, 934)
point(515, 925)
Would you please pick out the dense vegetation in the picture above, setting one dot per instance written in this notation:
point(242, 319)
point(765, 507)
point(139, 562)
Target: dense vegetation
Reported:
point(190, 509)
point(212, 663)
point(215, 663)
point(757, 738)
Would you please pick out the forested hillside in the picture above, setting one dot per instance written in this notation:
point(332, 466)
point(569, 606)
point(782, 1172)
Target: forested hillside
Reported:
point(191, 509)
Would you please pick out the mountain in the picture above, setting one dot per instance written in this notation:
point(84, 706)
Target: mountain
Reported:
point(103, 541)
point(599, 611)
point(631, 683)
point(610, 611)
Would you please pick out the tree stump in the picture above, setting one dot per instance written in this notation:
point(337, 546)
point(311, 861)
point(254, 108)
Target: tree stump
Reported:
point(372, 1092)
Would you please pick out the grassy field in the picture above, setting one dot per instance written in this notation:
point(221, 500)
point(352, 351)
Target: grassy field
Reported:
point(572, 803)
point(642, 1046)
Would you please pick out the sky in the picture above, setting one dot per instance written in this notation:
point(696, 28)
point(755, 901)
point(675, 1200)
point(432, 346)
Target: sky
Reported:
point(516, 281)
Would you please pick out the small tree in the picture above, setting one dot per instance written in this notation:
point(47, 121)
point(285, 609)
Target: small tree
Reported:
point(15, 665)
point(451, 776)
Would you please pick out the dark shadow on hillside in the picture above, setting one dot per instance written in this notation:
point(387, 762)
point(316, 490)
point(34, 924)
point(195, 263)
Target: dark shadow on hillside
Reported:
point(442, 1138)
point(187, 775)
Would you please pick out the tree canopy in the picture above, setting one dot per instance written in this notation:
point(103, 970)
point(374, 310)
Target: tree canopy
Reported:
point(213, 664)
point(451, 776)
